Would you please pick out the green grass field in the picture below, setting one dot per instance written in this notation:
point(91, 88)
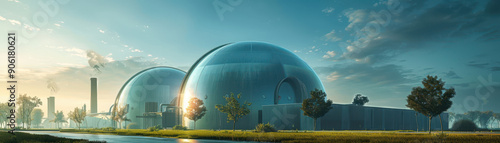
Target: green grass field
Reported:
point(31, 138)
point(301, 136)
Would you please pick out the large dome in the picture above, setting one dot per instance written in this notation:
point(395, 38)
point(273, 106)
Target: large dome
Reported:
point(145, 92)
point(263, 73)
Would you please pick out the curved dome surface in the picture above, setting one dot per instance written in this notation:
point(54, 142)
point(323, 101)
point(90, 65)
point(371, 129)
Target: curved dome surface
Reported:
point(263, 73)
point(145, 92)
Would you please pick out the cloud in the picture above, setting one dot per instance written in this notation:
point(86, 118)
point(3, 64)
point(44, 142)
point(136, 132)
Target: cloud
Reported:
point(14, 22)
point(333, 76)
point(329, 54)
point(102, 31)
point(452, 74)
point(96, 60)
point(356, 17)
point(460, 85)
point(477, 65)
point(109, 58)
point(328, 10)
point(416, 26)
point(495, 68)
point(365, 74)
point(332, 37)
point(136, 50)
point(2, 18)
point(31, 28)
point(77, 52)
point(57, 24)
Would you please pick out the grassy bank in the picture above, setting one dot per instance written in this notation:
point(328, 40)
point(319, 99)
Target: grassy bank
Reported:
point(326, 136)
point(32, 138)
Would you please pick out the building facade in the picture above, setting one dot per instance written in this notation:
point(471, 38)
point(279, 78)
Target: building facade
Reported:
point(351, 117)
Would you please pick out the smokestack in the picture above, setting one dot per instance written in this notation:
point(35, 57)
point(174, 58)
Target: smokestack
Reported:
point(51, 107)
point(93, 95)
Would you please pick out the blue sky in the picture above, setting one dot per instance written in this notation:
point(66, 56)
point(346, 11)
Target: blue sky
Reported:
point(377, 48)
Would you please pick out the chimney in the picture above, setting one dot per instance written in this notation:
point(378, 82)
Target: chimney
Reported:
point(51, 107)
point(93, 95)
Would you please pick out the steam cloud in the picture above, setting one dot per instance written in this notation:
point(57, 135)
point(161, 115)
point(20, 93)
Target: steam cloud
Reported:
point(52, 86)
point(96, 60)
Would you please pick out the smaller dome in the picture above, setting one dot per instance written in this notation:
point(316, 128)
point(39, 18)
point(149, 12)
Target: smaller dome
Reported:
point(145, 92)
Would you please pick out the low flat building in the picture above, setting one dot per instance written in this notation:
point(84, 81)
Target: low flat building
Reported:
point(350, 117)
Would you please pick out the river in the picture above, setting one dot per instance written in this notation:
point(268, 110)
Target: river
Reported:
point(124, 139)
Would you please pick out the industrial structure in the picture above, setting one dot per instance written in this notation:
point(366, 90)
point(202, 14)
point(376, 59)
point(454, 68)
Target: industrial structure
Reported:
point(51, 102)
point(350, 117)
point(93, 95)
point(264, 74)
point(148, 98)
point(273, 79)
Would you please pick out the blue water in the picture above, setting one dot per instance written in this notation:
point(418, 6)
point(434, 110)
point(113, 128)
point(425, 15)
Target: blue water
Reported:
point(124, 139)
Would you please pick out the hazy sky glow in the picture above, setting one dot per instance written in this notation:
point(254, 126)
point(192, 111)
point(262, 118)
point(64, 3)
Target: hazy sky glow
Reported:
point(377, 48)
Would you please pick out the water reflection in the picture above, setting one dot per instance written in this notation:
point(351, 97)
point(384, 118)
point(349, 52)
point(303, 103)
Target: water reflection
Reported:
point(124, 139)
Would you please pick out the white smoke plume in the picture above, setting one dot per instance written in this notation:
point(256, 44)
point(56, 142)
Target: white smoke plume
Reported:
point(96, 60)
point(52, 86)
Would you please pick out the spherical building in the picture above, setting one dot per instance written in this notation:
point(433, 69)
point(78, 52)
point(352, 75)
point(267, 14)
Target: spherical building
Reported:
point(263, 73)
point(142, 97)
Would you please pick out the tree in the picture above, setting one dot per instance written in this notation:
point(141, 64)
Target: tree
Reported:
point(4, 112)
point(195, 110)
point(120, 114)
point(36, 116)
point(316, 106)
point(77, 116)
point(58, 118)
point(484, 118)
point(234, 109)
point(473, 116)
point(430, 100)
point(360, 100)
point(458, 117)
point(26, 105)
point(444, 103)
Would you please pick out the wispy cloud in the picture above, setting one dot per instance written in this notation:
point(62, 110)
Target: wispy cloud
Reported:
point(102, 31)
point(136, 50)
point(2, 18)
point(332, 37)
point(77, 52)
point(14, 22)
point(328, 10)
point(17, 1)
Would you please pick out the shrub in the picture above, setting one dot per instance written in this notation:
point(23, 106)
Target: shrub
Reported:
point(265, 128)
point(179, 127)
point(108, 129)
point(131, 126)
point(154, 128)
point(464, 125)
